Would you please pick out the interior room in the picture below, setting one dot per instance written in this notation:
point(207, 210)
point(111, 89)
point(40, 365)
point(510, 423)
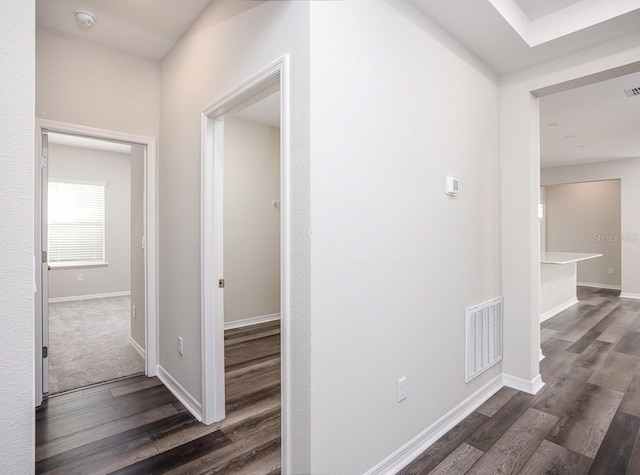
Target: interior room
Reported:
point(586, 137)
point(409, 336)
point(89, 201)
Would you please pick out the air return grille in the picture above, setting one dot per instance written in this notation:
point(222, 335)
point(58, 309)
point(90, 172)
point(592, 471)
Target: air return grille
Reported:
point(484, 337)
point(632, 92)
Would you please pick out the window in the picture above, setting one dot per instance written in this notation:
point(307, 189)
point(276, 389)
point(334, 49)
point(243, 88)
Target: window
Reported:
point(76, 224)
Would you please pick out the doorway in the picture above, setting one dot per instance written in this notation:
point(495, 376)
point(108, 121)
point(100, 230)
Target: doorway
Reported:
point(247, 305)
point(95, 231)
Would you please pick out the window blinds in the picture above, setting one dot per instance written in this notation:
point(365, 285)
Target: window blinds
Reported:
point(76, 223)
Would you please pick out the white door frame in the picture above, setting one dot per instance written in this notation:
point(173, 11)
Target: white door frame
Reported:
point(150, 231)
point(272, 78)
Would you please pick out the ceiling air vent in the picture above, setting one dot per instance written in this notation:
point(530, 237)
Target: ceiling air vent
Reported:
point(635, 91)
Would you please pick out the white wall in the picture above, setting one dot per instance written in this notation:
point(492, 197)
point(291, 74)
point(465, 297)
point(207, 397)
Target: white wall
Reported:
point(114, 169)
point(396, 106)
point(229, 43)
point(251, 223)
point(585, 217)
point(85, 83)
point(17, 416)
point(520, 185)
point(628, 171)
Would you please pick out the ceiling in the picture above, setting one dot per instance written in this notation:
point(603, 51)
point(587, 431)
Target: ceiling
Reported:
point(513, 34)
point(593, 123)
point(266, 111)
point(535, 9)
point(148, 28)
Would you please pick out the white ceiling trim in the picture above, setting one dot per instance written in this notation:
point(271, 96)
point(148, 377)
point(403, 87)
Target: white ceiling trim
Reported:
point(566, 21)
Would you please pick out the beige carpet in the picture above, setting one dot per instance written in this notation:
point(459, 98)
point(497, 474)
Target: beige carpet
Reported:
point(88, 343)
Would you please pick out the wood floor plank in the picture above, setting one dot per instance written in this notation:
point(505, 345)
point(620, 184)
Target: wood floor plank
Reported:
point(92, 434)
point(166, 440)
point(497, 401)
point(130, 388)
point(72, 405)
point(633, 467)
point(512, 451)
point(240, 374)
point(458, 461)
point(616, 371)
point(223, 459)
point(79, 422)
point(613, 333)
point(177, 456)
point(584, 425)
point(617, 447)
point(547, 333)
point(106, 443)
point(250, 337)
point(559, 395)
point(631, 400)
point(554, 346)
point(553, 459)
point(110, 460)
point(593, 356)
point(259, 382)
point(629, 344)
point(113, 384)
point(441, 449)
point(588, 338)
point(496, 426)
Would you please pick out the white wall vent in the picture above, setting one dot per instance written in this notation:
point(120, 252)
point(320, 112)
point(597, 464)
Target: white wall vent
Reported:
point(484, 337)
point(635, 91)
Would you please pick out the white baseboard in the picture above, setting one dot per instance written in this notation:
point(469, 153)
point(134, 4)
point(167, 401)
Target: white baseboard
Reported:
point(89, 297)
point(245, 322)
point(136, 347)
point(541, 356)
point(626, 295)
point(408, 452)
point(187, 400)
point(529, 387)
point(556, 310)
point(599, 286)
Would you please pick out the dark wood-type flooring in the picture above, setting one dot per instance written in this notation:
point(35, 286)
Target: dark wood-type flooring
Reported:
point(136, 426)
point(585, 420)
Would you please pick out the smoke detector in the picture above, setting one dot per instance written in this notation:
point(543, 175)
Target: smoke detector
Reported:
point(84, 20)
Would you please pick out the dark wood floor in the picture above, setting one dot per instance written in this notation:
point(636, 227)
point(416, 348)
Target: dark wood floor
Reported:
point(585, 420)
point(136, 426)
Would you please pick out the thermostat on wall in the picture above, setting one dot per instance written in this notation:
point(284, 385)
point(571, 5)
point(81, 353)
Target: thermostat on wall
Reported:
point(451, 186)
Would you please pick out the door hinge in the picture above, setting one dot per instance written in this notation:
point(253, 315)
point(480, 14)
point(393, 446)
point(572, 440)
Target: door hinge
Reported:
point(45, 351)
point(44, 257)
point(221, 283)
point(44, 162)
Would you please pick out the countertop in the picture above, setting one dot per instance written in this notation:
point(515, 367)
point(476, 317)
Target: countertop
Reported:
point(555, 257)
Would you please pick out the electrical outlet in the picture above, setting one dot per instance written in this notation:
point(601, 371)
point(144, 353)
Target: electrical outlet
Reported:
point(610, 270)
point(402, 389)
point(80, 277)
point(133, 311)
point(180, 345)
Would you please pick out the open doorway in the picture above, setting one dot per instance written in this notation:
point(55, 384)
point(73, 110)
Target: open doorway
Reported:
point(92, 200)
point(589, 177)
point(95, 229)
point(246, 255)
